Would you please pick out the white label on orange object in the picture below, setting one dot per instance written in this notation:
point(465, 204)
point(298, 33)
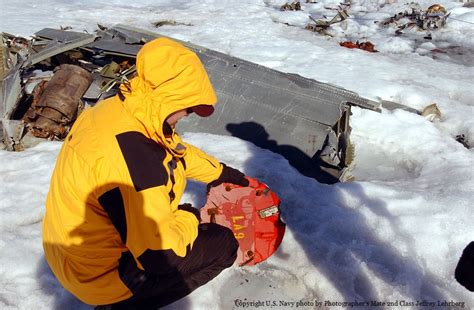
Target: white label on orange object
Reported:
point(267, 212)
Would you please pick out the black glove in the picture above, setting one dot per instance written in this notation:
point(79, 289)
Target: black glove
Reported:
point(189, 208)
point(464, 273)
point(229, 175)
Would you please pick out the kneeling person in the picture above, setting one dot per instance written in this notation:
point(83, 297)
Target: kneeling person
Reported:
point(114, 232)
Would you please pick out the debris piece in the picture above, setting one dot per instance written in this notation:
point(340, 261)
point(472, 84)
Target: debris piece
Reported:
point(430, 19)
point(469, 4)
point(162, 23)
point(322, 25)
point(13, 51)
point(366, 46)
point(436, 9)
point(294, 6)
point(4, 59)
point(252, 213)
point(431, 112)
point(30, 81)
point(436, 16)
point(463, 140)
point(102, 27)
point(55, 103)
point(12, 134)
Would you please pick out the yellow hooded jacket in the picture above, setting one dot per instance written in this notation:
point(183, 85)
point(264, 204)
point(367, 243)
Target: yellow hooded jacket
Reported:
point(118, 179)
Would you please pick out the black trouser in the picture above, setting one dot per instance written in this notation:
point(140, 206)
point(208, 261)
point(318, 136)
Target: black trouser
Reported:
point(214, 250)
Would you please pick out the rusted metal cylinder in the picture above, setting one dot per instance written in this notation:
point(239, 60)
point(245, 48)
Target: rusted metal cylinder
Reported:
point(57, 107)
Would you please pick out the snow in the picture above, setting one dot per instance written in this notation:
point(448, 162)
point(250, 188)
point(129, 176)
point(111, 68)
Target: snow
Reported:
point(395, 234)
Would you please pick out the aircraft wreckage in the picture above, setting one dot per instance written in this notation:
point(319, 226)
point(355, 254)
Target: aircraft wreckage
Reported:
point(48, 80)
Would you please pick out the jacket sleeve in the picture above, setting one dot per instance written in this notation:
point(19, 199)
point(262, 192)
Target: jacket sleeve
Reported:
point(201, 166)
point(149, 226)
point(156, 225)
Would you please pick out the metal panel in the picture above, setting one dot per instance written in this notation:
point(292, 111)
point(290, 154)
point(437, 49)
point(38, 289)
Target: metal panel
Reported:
point(115, 47)
point(64, 43)
point(269, 104)
point(61, 35)
point(10, 91)
point(12, 133)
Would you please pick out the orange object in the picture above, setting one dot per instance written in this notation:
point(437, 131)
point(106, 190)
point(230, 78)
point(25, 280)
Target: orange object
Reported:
point(366, 46)
point(252, 213)
point(349, 44)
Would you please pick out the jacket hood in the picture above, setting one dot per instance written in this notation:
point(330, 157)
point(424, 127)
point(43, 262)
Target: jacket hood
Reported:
point(169, 78)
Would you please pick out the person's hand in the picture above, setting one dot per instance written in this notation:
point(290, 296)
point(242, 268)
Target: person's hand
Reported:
point(229, 175)
point(189, 208)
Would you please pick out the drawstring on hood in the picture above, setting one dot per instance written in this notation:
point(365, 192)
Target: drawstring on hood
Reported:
point(169, 78)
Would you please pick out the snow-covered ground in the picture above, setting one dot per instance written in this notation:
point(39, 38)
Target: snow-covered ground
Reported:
point(393, 235)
